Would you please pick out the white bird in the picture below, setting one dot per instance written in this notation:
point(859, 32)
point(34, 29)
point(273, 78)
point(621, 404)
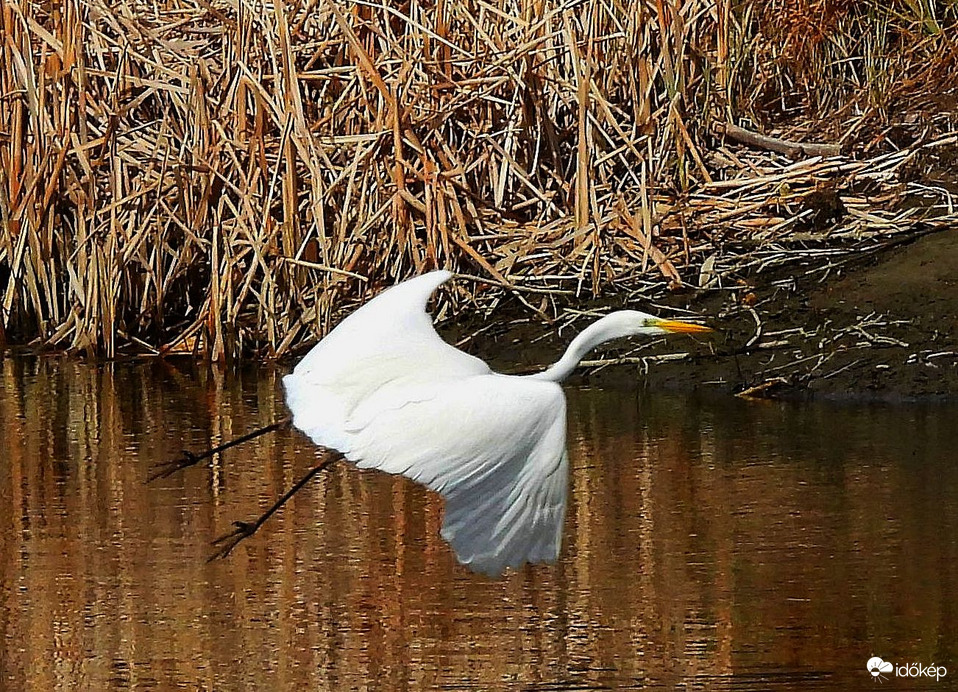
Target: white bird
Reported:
point(388, 393)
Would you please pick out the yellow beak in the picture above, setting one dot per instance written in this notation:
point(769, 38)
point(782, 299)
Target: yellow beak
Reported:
point(682, 327)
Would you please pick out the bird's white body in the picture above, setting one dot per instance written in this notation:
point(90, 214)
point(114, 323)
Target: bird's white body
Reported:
point(388, 393)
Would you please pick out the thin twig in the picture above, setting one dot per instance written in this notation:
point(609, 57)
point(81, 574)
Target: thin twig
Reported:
point(782, 146)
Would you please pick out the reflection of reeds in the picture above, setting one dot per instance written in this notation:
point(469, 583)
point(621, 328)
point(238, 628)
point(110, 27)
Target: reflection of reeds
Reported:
point(218, 177)
point(702, 542)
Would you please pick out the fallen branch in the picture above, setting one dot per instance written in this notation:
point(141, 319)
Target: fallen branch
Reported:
point(793, 150)
point(759, 390)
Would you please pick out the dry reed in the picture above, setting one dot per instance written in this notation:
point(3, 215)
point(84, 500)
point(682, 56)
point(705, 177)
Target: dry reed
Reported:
point(223, 177)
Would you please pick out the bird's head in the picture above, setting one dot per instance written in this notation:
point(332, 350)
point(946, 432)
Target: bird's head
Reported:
point(633, 323)
point(623, 323)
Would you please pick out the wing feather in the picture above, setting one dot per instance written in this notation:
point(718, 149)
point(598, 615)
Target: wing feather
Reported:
point(385, 390)
point(494, 447)
point(386, 350)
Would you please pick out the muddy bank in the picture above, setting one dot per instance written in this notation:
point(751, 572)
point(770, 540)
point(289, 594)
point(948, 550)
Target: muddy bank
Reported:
point(881, 327)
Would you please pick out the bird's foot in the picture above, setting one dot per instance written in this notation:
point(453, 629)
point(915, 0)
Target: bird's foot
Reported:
point(226, 543)
point(170, 467)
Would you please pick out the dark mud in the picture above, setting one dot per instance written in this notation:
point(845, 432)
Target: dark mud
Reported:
point(881, 326)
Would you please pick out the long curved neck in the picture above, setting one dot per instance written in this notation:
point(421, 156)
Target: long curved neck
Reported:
point(596, 333)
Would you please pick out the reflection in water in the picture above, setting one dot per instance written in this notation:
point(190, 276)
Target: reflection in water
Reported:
point(728, 545)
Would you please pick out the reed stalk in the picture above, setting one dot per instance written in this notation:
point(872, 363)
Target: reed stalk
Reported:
point(226, 178)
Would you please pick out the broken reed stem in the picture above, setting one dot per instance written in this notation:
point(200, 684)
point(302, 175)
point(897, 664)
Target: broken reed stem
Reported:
point(227, 178)
point(794, 150)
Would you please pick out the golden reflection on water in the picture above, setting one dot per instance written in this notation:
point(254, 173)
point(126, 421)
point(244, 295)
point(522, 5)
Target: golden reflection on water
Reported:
point(728, 545)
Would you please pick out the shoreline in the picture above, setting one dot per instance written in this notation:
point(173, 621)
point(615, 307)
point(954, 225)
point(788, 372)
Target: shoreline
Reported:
point(880, 328)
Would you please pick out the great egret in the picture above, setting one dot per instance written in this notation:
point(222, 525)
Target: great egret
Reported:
point(384, 391)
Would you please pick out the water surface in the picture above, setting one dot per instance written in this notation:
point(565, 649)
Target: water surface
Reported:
point(709, 544)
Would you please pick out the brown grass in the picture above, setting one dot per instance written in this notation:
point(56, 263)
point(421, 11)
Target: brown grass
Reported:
point(223, 177)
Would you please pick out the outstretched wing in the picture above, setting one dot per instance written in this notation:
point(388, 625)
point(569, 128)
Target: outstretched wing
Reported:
point(494, 447)
point(387, 392)
point(387, 345)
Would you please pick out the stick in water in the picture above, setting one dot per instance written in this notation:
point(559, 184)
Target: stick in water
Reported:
point(245, 529)
point(190, 459)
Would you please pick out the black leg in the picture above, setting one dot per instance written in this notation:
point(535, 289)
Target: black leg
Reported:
point(190, 459)
point(245, 529)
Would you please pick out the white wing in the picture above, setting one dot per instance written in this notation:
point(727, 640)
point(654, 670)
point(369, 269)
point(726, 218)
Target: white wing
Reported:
point(388, 344)
point(494, 447)
point(386, 391)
